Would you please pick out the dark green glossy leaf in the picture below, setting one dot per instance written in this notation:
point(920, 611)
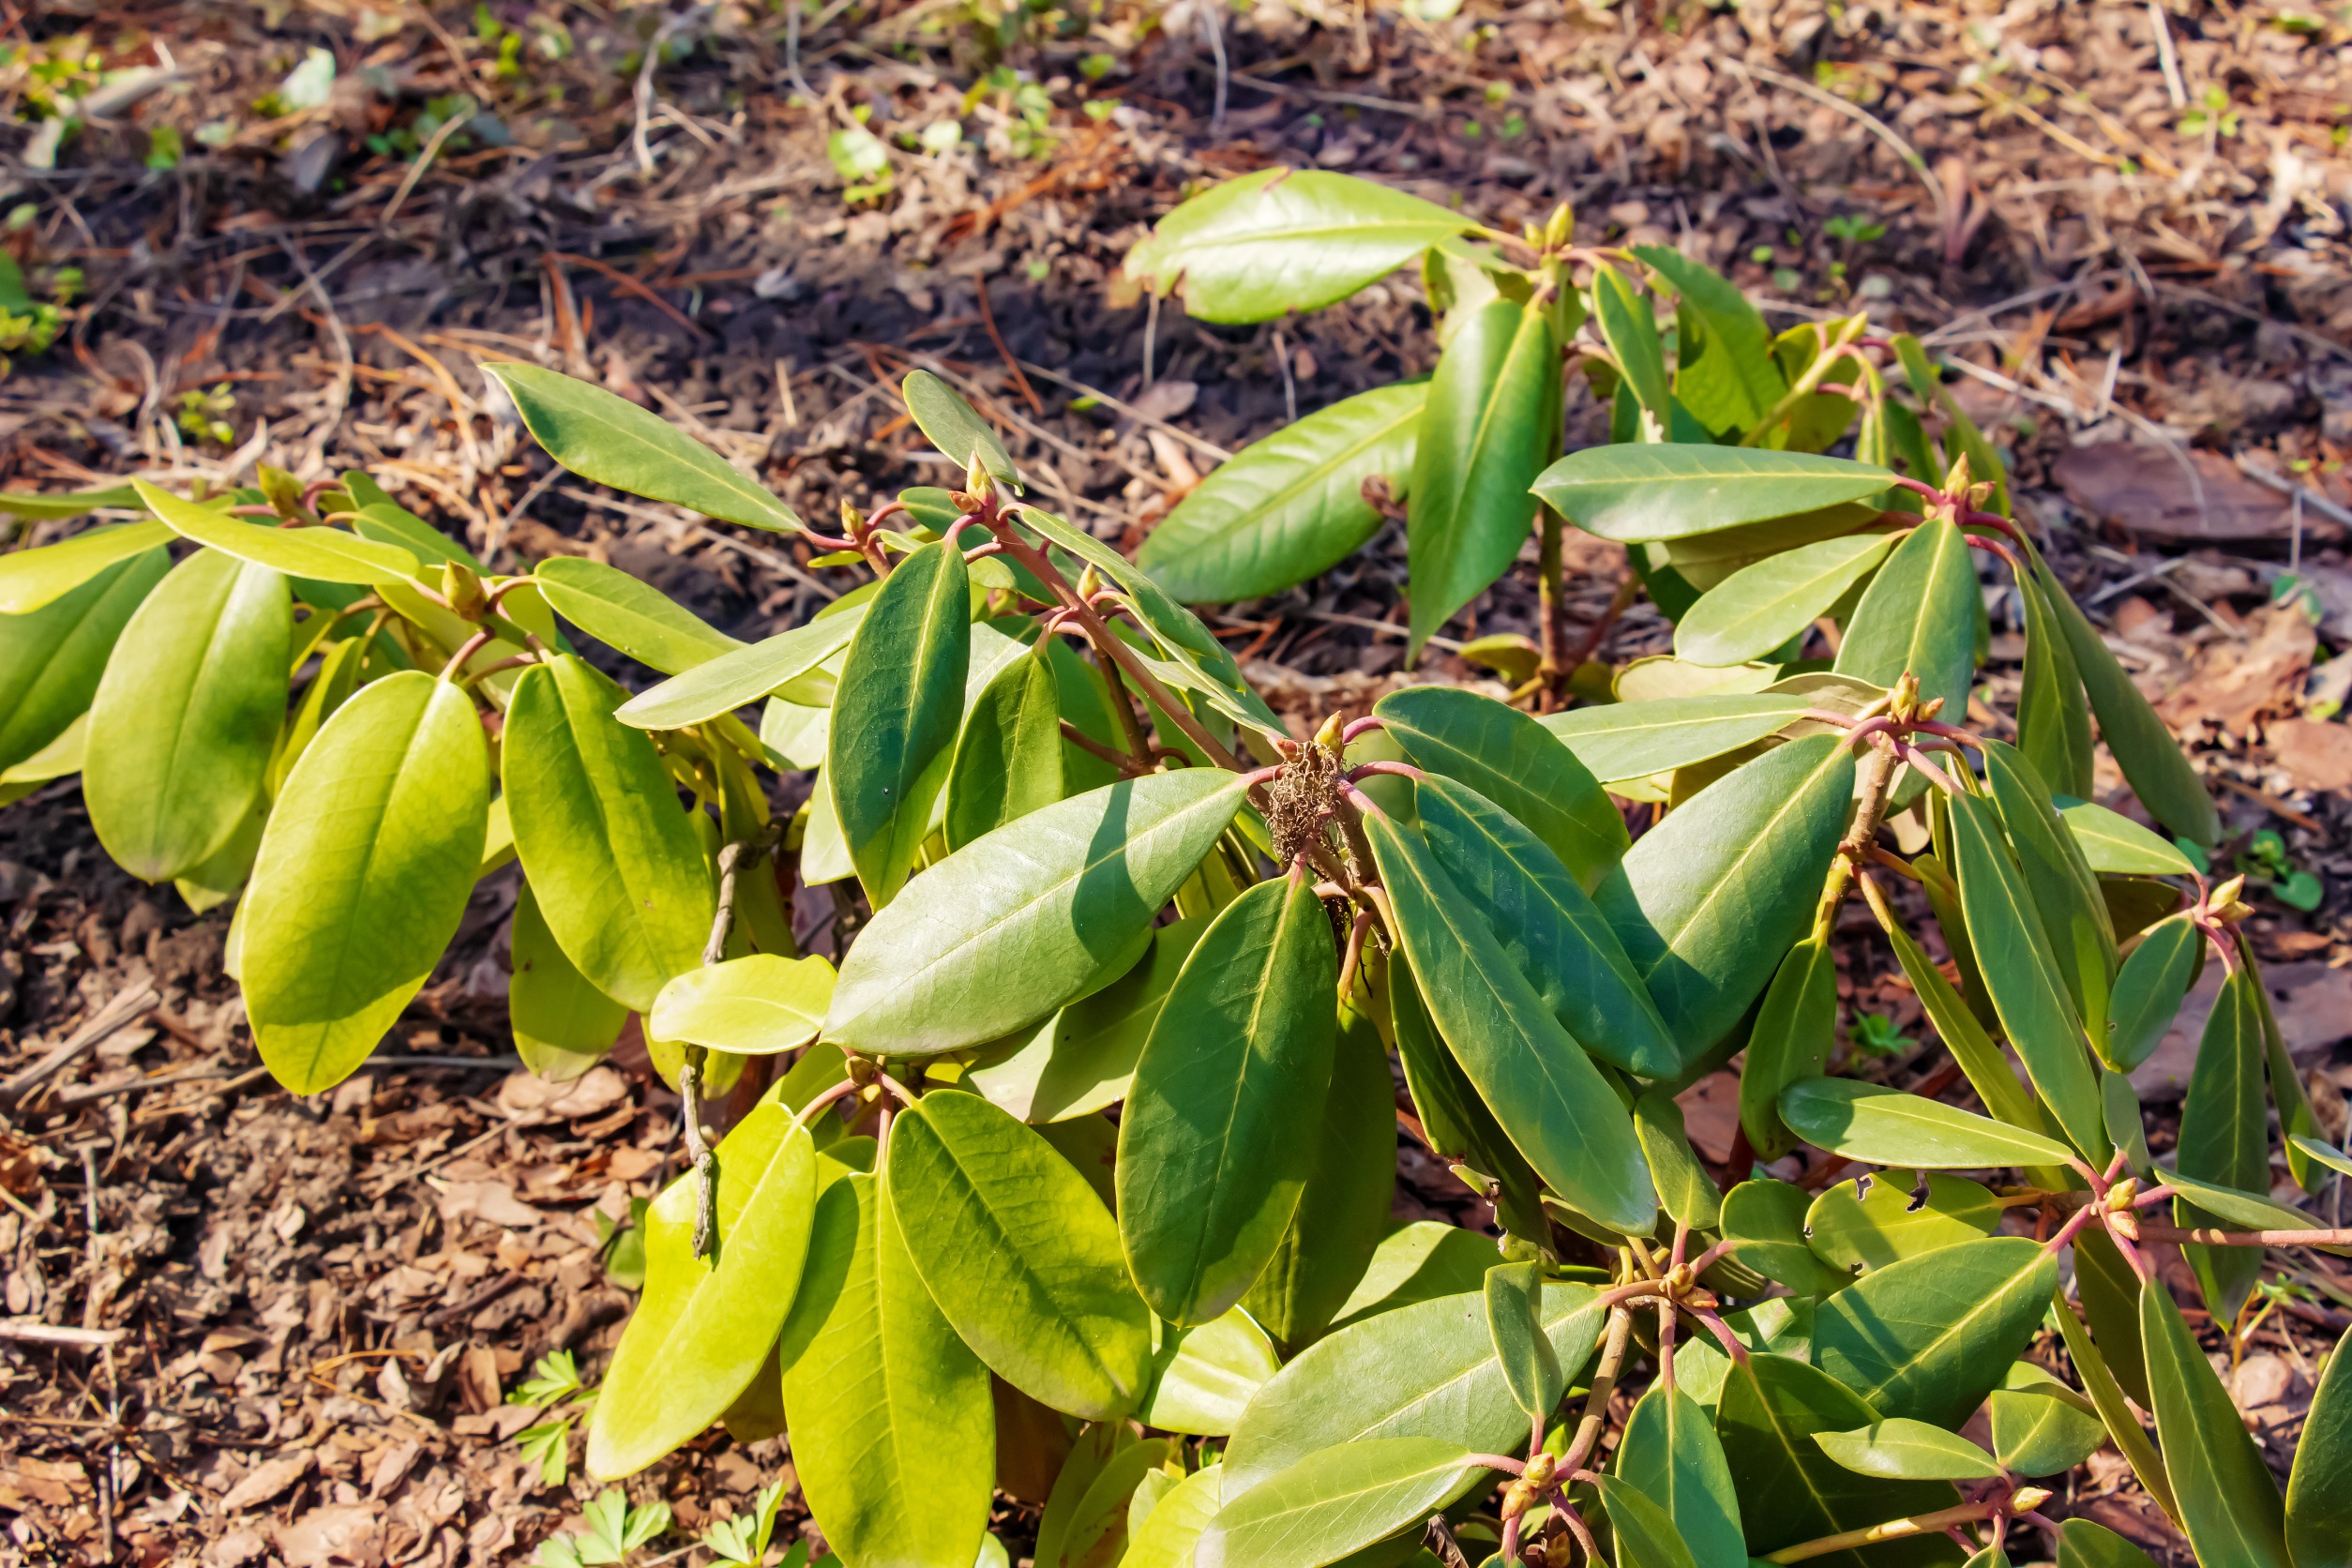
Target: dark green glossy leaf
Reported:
point(2150, 989)
point(612, 441)
point(32, 580)
point(2114, 844)
point(2122, 1331)
point(53, 659)
point(1685, 1191)
point(2065, 889)
point(1918, 616)
point(703, 1325)
point(1789, 1490)
point(2319, 1492)
point(1872, 1221)
point(1008, 760)
point(895, 713)
point(956, 427)
point(1281, 240)
point(1546, 1094)
point(183, 720)
point(1790, 1042)
point(1334, 1502)
point(2230, 1507)
point(1984, 1062)
point(1514, 1294)
point(617, 863)
point(1765, 1222)
point(362, 876)
point(2053, 718)
point(1289, 506)
point(1454, 1120)
point(1898, 1449)
point(2085, 1544)
point(1547, 924)
point(1020, 1255)
point(1647, 1536)
point(2041, 1427)
point(1885, 1125)
point(1636, 492)
point(1634, 740)
point(1485, 434)
point(1013, 925)
point(1734, 330)
point(1670, 1451)
point(1426, 1370)
point(1345, 1205)
point(1505, 756)
point(2011, 950)
point(2151, 758)
point(1209, 1168)
point(637, 618)
point(2226, 1135)
point(1759, 607)
point(1930, 1337)
point(883, 1401)
point(1709, 901)
point(742, 676)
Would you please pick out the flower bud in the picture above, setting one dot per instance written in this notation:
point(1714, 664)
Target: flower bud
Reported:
point(1542, 1468)
point(1328, 736)
point(1559, 228)
point(2025, 1499)
point(979, 481)
point(463, 590)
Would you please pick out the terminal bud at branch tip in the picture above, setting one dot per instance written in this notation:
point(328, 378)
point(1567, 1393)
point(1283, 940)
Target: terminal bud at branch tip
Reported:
point(2025, 1499)
point(979, 481)
point(1328, 737)
point(852, 519)
point(463, 590)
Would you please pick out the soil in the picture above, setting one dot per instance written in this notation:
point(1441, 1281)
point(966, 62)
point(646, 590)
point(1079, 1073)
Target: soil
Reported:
point(242, 1327)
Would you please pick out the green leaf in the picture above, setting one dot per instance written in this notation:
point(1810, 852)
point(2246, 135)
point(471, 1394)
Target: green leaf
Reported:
point(1709, 901)
point(1008, 760)
point(2226, 1134)
point(1918, 616)
point(704, 1325)
point(56, 507)
point(2319, 1492)
point(1789, 1490)
point(2230, 1508)
point(2065, 889)
point(1514, 1297)
point(1344, 1206)
point(1884, 1125)
point(1790, 1042)
point(2326, 1155)
point(1204, 1377)
point(617, 864)
point(1759, 607)
point(637, 618)
point(759, 1005)
point(2022, 976)
point(1279, 240)
point(1010, 926)
point(1334, 1502)
point(1083, 1058)
point(1174, 1525)
point(1647, 1536)
point(895, 715)
point(1453, 1119)
point(32, 580)
point(710, 687)
point(1097, 1532)
point(1417, 1262)
point(2151, 758)
point(2083, 1544)
point(363, 874)
point(883, 1401)
point(2114, 844)
point(389, 524)
point(1685, 1191)
point(2150, 989)
point(320, 554)
point(1634, 740)
point(1547, 925)
point(1210, 1169)
point(1764, 1220)
point(53, 659)
point(956, 427)
point(2043, 1427)
point(1637, 492)
point(1669, 1450)
point(1986, 1064)
point(561, 1023)
point(1630, 328)
point(1560, 1112)
point(1875, 1220)
point(1289, 506)
point(1020, 1255)
point(1903, 1450)
point(1505, 756)
point(612, 441)
point(2053, 721)
point(1930, 1337)
point(1488, 428)
point(184, 718)
point(2100, 1269)
point(1734, 329)
point(1423, 1370)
